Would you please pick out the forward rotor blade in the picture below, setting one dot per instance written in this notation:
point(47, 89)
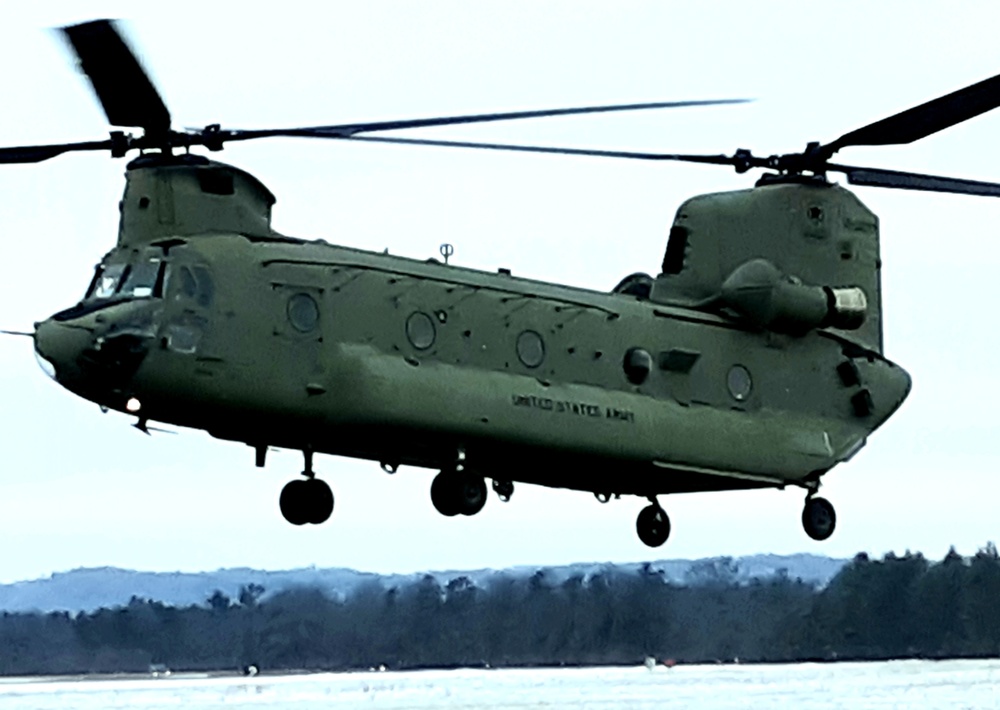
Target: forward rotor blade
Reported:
point(927, 118)
point(38, 153)
point(351, 129)
point(122, 86)
point(874, 177)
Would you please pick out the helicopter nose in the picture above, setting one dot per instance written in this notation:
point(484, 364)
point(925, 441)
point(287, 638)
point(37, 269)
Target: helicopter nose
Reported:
point(58, 347)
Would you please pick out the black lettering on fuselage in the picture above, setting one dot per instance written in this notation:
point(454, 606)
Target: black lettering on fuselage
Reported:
point(580, 409)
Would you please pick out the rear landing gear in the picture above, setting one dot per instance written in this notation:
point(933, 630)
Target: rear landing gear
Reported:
point(653, 525)
point(818, 518)
point(306, 501)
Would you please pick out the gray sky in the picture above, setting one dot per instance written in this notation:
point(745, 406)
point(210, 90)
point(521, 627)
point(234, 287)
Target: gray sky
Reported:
point(79, 488)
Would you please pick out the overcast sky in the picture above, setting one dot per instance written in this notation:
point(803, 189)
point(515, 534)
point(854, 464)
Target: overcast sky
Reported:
point(79, 488)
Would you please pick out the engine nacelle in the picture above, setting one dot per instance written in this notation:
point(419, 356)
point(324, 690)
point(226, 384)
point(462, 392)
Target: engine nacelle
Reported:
point(759, 291)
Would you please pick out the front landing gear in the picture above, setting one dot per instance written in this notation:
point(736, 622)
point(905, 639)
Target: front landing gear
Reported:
point(653, 525)
point(306, 501)
point(458, 493)
point(818, 518)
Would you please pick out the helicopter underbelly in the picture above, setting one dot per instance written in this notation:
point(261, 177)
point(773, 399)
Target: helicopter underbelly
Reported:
point(526, 426)
point(387, 408)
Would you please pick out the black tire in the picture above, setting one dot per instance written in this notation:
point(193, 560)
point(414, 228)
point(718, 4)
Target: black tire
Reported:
point(471, 493)
point(819, 519)
point(294, 502)
point(443, 494)
point(653, 526)
point(319, 500)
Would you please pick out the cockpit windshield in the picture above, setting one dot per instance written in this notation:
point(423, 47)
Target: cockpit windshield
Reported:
point(106, 281)
point(141, 279)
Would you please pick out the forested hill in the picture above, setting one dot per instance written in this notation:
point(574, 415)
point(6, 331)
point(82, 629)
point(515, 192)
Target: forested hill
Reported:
point(107, 587)
point(896, 607)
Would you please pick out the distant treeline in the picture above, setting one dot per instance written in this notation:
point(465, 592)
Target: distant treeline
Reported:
point(896, 607)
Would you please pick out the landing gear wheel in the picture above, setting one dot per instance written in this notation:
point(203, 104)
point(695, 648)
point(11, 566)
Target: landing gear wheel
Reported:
point(320, 500)
point(454, 493)
point(818, 518)
point(471, 493)
point(443, 494)
point(306, 501)
point(653, 525)
point(294, 502)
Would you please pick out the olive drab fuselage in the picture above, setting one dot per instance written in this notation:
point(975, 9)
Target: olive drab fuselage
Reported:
point(754, 359)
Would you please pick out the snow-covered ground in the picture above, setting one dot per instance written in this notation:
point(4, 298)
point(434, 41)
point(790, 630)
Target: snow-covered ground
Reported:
point(896, 684)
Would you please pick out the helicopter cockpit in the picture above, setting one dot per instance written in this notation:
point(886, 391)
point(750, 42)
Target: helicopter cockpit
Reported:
point(143, 279)
point(95, 346)
point(118, 281)
point(146, 277)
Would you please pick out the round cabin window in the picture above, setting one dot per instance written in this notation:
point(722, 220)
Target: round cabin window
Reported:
point(637, 365)
point(420, 330)
point(530, 349)
point(303, 312)
point(739, 382)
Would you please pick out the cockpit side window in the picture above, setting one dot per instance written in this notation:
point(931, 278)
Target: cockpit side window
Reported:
point(189, 287)
point(192, 282)
point(206, 287)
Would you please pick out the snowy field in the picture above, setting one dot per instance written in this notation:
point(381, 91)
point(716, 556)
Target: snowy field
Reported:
point(898, 684)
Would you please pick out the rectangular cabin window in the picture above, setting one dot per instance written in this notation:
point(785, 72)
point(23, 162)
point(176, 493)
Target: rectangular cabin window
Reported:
point(216, 182)
point(673, 260)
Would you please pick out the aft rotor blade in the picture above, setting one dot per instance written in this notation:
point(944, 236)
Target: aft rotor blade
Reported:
point(122, 86)
point(712, 159)
point(38, 153)
point(351, 129)
point(927, 118)
point(874, 177)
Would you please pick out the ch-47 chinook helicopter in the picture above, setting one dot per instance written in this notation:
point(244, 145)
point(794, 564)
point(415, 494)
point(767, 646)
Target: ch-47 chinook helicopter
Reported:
point(753, 360)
